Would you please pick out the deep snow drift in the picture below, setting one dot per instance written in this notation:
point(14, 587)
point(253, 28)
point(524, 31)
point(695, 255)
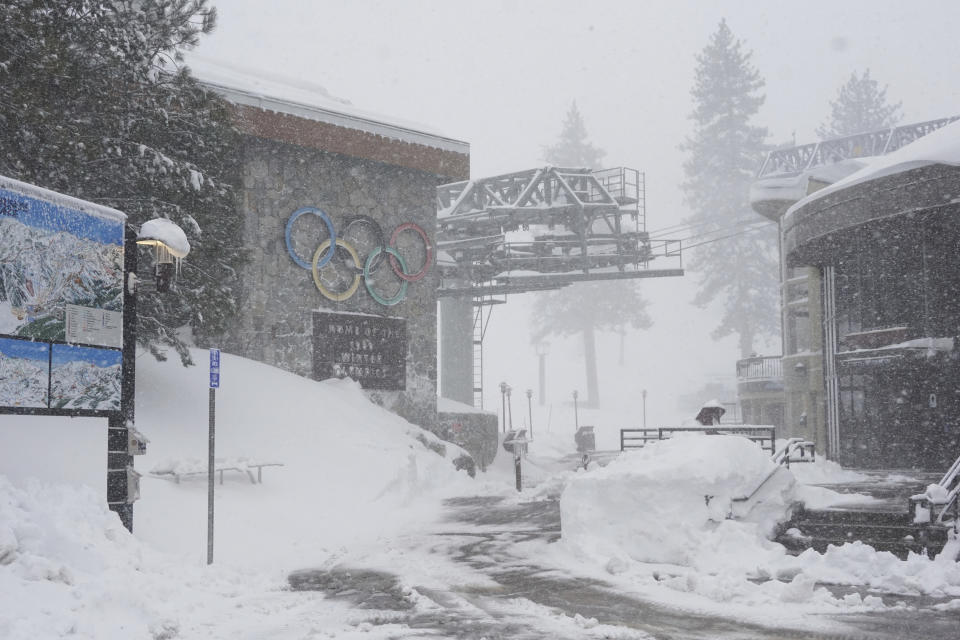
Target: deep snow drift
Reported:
point(353, 475)
point(360, 487)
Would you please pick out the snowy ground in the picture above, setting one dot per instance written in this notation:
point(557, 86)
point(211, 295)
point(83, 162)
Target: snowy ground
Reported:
point(366, 505)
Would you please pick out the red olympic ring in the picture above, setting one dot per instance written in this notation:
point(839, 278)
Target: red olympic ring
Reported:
point(397, 268)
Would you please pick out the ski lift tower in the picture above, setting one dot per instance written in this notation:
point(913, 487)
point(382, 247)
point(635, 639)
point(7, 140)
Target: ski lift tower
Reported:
point(533, 230)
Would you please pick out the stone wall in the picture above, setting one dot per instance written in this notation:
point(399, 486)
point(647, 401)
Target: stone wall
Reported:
point(275, 324)
point(475, 431)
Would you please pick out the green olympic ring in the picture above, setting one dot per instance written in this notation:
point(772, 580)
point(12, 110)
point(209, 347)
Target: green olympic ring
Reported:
point(401, 292)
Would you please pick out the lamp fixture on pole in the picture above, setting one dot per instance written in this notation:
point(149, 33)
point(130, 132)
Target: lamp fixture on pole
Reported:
point(576, 416)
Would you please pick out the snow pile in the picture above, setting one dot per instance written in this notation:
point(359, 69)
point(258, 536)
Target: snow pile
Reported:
point(670, 502)
point(68, 567)
point(861, 565)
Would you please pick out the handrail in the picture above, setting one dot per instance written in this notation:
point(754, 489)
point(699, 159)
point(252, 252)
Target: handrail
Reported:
point(780, 458)
point(952, 501)
point(953, 497)
point(757, 434)
point(951, 474)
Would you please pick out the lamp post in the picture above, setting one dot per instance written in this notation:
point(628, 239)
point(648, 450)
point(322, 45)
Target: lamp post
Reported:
point(530, 410)
point(576, 416)
point(644, 394)
point(542, 349)
point(510, 405)
point(503, 405)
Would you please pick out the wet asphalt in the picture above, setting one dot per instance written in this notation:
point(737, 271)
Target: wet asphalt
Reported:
point(473, 613)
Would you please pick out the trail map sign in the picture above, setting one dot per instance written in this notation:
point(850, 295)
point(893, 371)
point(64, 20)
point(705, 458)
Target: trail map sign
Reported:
point(61, 302)
point(369, 349)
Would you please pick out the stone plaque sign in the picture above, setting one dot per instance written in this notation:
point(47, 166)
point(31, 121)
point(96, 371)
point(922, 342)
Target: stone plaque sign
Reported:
point(366, 348)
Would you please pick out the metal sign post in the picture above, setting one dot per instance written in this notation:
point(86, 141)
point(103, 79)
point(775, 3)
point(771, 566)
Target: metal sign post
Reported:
point(214, 384)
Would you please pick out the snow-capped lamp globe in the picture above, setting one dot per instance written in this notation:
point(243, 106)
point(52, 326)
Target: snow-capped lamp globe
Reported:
point(170, 247)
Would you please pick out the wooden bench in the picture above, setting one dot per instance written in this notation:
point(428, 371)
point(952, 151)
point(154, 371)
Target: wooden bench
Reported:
point(189, 468)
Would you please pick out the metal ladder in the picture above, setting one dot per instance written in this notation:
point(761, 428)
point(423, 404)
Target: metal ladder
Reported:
point(480, 324)
point(478, 330)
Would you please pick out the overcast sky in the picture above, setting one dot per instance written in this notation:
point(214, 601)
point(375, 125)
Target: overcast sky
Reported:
point(501, 74)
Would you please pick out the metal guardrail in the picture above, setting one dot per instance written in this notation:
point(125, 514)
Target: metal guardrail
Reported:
point(800, 158)
point(766, 437)
point(762, 368)
point(951, 477)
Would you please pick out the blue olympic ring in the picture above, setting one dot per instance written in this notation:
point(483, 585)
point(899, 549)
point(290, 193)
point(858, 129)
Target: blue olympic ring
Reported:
point(328, 256)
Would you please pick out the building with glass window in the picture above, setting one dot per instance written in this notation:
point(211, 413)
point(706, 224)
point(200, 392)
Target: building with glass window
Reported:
point(871, 312)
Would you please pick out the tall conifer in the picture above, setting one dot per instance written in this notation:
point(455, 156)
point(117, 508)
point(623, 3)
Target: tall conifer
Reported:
point(585, 308)
point(725, 150)
point(94, 103)
point(861, 105)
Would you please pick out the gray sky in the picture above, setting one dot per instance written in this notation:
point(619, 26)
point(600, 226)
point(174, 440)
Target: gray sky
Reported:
point(500, 74)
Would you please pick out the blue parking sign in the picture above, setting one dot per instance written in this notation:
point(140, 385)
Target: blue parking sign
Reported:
point(214, 368)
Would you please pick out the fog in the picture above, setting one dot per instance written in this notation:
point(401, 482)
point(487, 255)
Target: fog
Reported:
point(501, 76)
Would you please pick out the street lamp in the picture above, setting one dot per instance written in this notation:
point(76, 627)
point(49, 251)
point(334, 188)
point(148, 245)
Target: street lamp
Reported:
point(543, 348)
point(170, 246)
point(510, 405)
point(503, 405)
point(644, 408)
point(576, 416)
point(530, 410)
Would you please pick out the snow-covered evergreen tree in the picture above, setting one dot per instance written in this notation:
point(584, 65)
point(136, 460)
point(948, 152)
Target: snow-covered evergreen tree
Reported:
point(861, 105)
point(573, 149)
point(94, 103)
point(725, 150)
point(585, 308)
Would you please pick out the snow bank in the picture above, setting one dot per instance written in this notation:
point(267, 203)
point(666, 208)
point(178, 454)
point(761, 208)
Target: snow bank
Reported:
point(352, 471)
point(661, 516)
point(669, 503)
point(861, 565)
point(69, 568)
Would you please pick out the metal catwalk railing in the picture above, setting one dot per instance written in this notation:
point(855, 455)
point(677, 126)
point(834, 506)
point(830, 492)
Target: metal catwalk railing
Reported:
point(795, 160)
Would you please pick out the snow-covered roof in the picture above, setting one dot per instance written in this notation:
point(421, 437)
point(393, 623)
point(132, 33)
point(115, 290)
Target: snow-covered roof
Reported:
point(940, 147)
point(298, 97)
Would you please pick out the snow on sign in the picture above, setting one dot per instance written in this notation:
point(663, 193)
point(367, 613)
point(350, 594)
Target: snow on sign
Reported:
point(61, 301)
point(57, 252)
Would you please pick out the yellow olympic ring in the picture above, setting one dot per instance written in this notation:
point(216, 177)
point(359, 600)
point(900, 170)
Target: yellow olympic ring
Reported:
point(333, 295)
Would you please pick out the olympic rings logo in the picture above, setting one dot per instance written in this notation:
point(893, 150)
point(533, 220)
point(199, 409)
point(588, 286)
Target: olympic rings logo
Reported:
point(330, 265)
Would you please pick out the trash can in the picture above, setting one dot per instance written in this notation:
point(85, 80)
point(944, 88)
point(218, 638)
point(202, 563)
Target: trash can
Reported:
point(585, 439)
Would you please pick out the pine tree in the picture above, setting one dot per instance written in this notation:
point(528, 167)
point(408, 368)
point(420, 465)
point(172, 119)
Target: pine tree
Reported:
point(93, 103)
point(725, 150)
point(585, 308)
point(861, 105)
point(573, 149)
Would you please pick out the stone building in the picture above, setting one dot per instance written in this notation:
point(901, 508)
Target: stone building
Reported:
point(327, 156)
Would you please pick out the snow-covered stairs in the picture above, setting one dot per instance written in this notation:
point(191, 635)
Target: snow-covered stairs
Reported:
point(884, 530)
